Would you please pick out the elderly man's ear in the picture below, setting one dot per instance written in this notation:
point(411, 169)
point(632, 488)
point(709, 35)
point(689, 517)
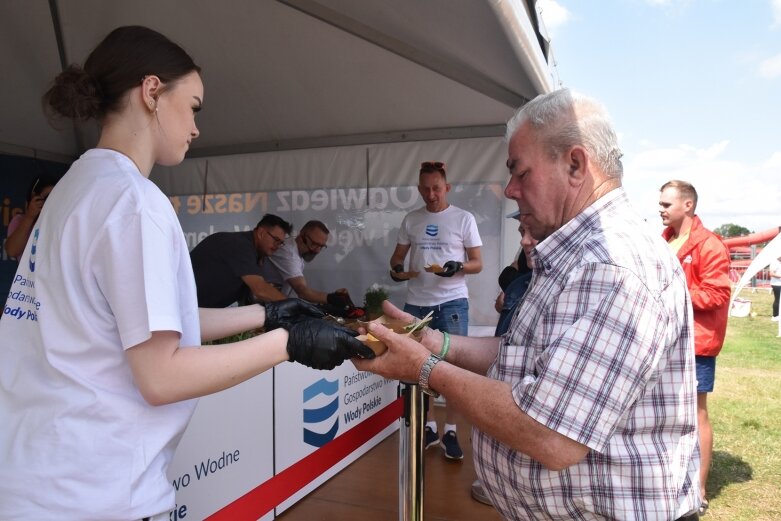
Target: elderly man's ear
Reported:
point(577, 164)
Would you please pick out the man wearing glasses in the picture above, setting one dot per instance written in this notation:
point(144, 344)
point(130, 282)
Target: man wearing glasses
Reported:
point(227, 265)
point(285, 269)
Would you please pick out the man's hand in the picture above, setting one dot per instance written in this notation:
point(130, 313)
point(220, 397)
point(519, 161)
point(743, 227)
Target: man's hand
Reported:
point(450, 268)
point(398, 268)
point(403, 359)
point(286, 313)
point(431, 338)
point(321, 345)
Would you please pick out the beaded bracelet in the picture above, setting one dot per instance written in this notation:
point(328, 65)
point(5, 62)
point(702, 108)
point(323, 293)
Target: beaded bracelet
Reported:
point(445, 345)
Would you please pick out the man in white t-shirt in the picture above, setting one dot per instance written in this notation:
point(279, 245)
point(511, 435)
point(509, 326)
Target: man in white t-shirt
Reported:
point(444, 246)
point(285, 269)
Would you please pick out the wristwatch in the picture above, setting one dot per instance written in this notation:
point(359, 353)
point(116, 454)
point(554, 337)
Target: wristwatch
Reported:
point(425, 372)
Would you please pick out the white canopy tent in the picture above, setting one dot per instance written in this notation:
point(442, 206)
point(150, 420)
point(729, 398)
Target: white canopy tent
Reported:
point(293, 74)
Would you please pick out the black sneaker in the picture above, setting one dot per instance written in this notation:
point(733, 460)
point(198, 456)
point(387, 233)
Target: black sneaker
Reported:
point(431, 438)
point(450, 444)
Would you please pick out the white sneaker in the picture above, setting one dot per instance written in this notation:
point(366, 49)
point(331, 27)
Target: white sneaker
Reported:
point(774, 319)
point(478, 493)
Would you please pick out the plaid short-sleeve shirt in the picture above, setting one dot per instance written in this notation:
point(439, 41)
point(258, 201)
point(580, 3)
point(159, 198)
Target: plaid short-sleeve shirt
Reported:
point(601, 351)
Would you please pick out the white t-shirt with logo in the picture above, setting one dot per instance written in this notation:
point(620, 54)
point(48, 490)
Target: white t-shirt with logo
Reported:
point(106, 265)
point(436, 238)
point(283, 265)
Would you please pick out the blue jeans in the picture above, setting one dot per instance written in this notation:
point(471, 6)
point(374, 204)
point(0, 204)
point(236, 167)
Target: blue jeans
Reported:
point(451, 316)
point(706, 373)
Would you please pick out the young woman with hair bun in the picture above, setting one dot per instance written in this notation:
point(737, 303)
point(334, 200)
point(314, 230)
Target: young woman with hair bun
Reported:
point(100, 341)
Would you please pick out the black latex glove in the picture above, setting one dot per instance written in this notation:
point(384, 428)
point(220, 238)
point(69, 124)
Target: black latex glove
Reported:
point(322, 345)
point(285, 313)
point(398, 268)
point(451, 268)
point(339, 300)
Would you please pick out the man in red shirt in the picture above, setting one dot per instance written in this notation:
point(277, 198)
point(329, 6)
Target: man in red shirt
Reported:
point(705, 261)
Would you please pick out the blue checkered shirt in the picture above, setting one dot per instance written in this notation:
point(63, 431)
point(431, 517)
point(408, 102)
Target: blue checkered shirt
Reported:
point(601, 351)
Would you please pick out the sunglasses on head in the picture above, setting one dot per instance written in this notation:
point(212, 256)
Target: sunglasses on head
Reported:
point(432, 166)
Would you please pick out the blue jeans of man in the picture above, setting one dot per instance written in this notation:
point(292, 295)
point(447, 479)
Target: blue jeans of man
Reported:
point(451, 316)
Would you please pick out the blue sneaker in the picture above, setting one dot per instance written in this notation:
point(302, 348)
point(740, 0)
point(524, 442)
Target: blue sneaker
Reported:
point(450, 444)
point(431, 438)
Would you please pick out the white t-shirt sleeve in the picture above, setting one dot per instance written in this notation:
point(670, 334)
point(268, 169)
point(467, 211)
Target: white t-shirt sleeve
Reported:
point(287, 262)
point(136, 269)
point(471, 234)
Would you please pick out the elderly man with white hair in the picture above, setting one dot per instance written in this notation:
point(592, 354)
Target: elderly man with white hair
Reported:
point(586, 408)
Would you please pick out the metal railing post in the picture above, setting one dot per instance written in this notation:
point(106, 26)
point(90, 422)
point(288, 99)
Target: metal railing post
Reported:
point(411, 454)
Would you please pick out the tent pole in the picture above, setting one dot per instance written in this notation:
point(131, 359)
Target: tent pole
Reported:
point(55, 13)
point(57, 24)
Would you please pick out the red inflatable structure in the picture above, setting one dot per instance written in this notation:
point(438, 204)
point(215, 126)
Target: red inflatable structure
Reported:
point(741, 254)
point(754, 238)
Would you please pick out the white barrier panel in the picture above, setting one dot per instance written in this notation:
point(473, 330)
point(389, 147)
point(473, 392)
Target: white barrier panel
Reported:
point(226, 451)
point(314, 407)
point(225, 464)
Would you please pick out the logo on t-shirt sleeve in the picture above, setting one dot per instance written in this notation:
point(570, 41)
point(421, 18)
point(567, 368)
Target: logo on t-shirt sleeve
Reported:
point(33, 248)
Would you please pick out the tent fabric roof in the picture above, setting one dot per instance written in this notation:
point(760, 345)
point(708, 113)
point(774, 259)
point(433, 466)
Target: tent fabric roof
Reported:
point(288, 74)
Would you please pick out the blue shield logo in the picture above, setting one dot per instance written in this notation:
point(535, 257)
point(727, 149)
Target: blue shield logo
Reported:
point(432, 230)
point(320, 417)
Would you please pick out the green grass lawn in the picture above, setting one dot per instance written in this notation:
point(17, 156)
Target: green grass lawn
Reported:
point(745, 411)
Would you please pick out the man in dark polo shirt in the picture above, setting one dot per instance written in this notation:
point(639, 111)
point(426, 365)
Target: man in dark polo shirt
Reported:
point(227, 265)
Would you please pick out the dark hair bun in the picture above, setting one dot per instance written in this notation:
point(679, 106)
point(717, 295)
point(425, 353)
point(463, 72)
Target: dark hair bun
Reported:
point(119, 63)
point(75, 95)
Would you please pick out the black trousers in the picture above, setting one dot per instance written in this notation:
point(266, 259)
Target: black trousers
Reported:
point(691, 517)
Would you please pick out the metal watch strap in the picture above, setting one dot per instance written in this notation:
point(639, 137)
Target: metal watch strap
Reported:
point(425, 373)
